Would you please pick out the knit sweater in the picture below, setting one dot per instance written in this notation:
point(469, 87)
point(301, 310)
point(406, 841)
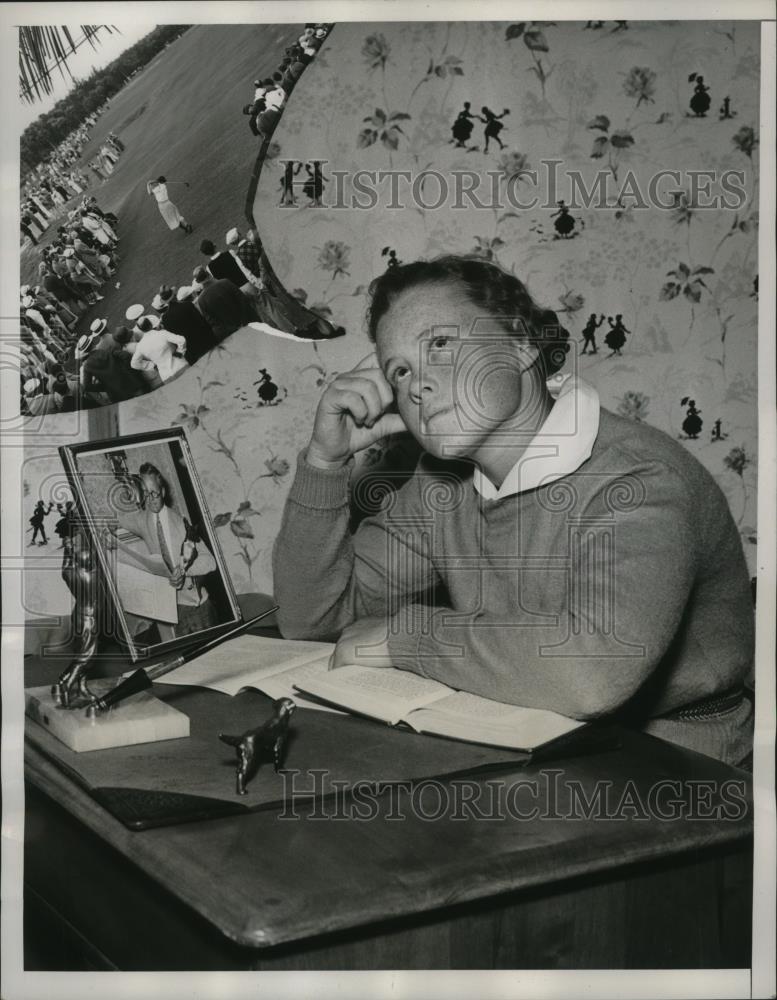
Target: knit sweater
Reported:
point(619, 588)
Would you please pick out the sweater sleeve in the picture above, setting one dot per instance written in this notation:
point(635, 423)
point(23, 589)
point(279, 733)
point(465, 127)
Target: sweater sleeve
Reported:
point(628, 587)
point(325, 577)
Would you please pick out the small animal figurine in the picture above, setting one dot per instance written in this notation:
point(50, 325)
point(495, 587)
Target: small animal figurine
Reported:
point(254, 744)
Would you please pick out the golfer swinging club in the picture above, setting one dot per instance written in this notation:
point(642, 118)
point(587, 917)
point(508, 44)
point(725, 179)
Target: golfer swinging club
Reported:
point(167, 209)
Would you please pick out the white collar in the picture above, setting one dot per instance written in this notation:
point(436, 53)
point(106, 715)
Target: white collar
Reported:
point(559, 447)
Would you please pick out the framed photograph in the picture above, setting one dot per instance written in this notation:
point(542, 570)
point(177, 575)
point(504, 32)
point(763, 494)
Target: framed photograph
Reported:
point(141, 502)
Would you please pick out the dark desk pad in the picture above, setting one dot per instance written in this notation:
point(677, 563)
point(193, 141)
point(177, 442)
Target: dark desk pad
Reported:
point(176, 781)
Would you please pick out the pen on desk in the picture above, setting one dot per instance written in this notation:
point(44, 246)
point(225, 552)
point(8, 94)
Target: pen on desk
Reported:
point(144, 677)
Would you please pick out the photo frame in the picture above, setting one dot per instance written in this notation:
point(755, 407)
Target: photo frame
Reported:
point(141, 504)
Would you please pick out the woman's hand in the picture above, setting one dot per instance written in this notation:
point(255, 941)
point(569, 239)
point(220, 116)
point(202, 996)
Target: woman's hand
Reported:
point(363, 644)
point(353, 413)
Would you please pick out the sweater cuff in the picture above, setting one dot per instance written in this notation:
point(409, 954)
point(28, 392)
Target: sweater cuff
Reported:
point(410, 624)
point(320, 489)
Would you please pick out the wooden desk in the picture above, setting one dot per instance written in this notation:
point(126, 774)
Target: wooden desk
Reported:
point(260, 892)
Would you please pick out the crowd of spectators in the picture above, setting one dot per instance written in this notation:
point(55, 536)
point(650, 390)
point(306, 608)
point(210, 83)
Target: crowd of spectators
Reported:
point(271, 92)
point(229, 287)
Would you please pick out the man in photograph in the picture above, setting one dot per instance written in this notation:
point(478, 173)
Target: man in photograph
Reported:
point(168, 535)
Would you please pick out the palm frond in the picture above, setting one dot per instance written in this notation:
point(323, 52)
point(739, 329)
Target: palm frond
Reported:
point(44, 48)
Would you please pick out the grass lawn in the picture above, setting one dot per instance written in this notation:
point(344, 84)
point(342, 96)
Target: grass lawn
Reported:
point(181, 116)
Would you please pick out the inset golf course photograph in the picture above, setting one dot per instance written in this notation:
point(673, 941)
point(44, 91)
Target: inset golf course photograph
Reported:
point(140, 251)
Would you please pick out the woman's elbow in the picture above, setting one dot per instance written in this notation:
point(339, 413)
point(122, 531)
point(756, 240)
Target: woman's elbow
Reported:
point(599, 699)
point(293, 626)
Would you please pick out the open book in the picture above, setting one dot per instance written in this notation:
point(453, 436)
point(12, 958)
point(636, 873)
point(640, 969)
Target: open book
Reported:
point(272, 666)
point(283, 668)
point(398, 697)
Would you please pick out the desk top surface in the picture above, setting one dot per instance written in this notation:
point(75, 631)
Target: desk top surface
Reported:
point(264, 880)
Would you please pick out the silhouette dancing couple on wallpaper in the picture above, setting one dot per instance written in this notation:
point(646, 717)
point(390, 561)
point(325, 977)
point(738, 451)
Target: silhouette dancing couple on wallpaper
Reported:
point(616, 335)
point(463, 126)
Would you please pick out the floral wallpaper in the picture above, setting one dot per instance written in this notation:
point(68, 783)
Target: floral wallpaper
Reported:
point(669, 294)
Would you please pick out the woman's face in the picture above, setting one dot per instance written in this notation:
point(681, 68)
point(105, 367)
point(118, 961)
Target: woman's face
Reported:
point(456, 374)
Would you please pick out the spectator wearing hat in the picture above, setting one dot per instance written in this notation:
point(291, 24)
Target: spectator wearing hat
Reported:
point(107, 366)
point(292, 69)
point(260, 89)
point(162, 350)
point(274, 100)
point(54, 369)
point(180, 315)
point(201, 277)
point(40, 324)
point(27, 226)
point(37, 401)
point(38, 352)
point(64, 389)
point(55, 279)
point(80, 276)
point(98, 263)
point(40, 205)
point(163, 298)
point(244, 254)
point(99, 228)
point(305, 42)
point(247, 256)
point(46, 300)
point(134, 312)
point(145, 324)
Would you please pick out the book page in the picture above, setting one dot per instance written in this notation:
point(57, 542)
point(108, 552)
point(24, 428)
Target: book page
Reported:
point(146, 594)
point(469, 717)
point(247, 661)
point(382, 692)
point(142, 560)
point(283, 685)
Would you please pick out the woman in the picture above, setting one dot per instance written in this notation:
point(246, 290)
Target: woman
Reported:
point(167, 209)
point(99, 264)
point(94, 165)
point(544, 553)
point(80, 276)
point(99, 229)
point(37, 200)
point(462, 127)
point(274, 100)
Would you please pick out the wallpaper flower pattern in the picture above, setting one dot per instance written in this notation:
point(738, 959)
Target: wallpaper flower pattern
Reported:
point(618, 100)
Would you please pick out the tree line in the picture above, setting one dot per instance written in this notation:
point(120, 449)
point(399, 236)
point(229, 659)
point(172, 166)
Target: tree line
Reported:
point(40, 138)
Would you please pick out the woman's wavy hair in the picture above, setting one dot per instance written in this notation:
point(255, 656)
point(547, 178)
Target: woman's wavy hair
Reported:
point(500, 295)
